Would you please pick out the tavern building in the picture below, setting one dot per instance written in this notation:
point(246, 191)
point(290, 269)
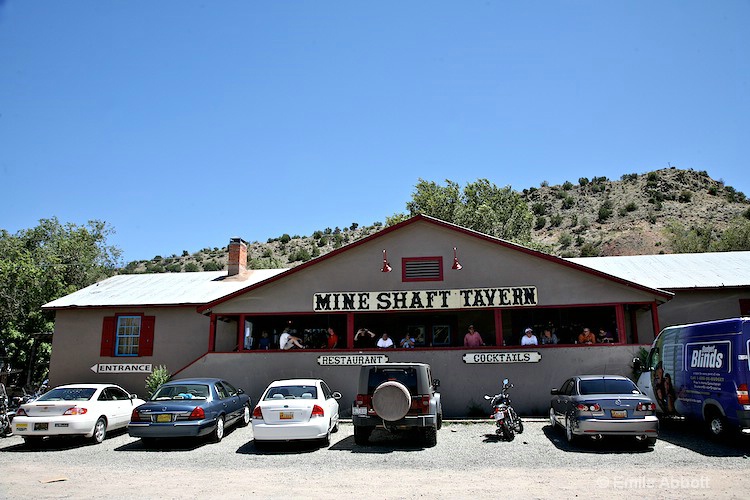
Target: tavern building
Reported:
point(423, 277)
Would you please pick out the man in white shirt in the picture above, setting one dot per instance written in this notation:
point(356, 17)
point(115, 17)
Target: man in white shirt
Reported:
point(287, 340)
point(529, 338)
point(385, 342)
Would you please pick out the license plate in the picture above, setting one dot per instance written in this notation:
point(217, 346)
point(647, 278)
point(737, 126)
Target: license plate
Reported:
point(619, 413)
point(41, 426)
point(164, 417)
point(21, 427)
point(359, 410)
point(286, 415)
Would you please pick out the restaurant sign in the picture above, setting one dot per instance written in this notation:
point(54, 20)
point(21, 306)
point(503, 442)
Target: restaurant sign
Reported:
point(415, 300)
point(502, 357)
point(352, 359)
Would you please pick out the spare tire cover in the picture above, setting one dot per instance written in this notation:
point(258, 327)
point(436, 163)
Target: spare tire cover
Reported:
point(391, 400)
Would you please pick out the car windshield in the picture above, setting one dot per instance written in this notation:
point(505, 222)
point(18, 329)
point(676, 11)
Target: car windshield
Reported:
point(607, 386)
point(292, 392)
point(182, 391)
point(407, 376)
point(68, 394)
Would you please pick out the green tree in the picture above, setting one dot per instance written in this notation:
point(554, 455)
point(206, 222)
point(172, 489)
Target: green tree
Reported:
point(480, 206)
point(39, 265)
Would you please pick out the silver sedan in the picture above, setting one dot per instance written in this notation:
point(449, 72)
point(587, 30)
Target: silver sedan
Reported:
point(603, 405)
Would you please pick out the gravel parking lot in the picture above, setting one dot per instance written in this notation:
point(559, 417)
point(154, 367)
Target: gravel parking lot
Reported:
point(468, 461)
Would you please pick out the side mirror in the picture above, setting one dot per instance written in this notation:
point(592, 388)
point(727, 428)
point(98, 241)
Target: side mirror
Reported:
point(240, 391)
point(134, 396)
point(505, 381)
point(336, 395)
point(555, 392)
point(487, 397)
point(638, 365)
point(435, 383)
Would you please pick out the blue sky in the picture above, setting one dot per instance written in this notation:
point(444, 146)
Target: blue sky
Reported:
point(185, 123)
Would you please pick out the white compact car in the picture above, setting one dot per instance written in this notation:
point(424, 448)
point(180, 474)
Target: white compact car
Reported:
point(77, 409)
point(298, 409)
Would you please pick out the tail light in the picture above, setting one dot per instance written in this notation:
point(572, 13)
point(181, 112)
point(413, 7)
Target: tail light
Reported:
point(588, 407)
point(317, 411)
point(21, 413)
point(421, 404)
point(135, 416)
point(258, 413)
point(646, 407)
point(363, 400)
point(197, 414)
point(742, 395)
point(74, 410)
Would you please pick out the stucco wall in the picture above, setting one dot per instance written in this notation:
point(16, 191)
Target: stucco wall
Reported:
point(180, 336)
point(462, 385)
point(691, 306)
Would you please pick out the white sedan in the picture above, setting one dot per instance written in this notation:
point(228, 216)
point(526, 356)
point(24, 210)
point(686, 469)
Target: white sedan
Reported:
point(298, 409)
point(87, 410)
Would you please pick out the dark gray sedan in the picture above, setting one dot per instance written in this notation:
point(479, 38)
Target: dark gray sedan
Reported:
point(190, 408)
point(603, 405)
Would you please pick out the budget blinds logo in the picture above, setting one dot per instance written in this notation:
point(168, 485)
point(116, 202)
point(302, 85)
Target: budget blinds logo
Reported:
point(713, 356)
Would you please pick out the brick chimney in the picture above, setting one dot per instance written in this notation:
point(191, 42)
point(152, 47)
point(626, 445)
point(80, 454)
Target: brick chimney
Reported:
point(237, 256)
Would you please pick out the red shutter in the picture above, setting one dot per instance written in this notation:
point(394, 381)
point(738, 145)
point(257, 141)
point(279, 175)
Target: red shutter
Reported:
point(146, 343)
point(108, 337)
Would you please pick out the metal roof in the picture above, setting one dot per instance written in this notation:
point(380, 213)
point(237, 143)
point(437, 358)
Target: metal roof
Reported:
point(676, 271)
point(161, 289)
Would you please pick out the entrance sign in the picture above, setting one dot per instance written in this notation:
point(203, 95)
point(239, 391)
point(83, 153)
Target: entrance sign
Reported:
point(415, 300)
point(502, 357)
point(121, 368)
point(352, 359)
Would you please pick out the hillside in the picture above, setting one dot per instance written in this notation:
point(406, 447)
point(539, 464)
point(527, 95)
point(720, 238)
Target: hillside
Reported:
point(586, 217)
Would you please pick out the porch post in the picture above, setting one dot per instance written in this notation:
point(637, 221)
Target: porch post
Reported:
point(212, 334)
point(349, 330)
point(655, 318)
point(241, 333)
point(498, 327)
point(622, 337)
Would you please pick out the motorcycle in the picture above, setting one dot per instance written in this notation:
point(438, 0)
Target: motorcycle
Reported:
point(506, 419)
point(6, 416)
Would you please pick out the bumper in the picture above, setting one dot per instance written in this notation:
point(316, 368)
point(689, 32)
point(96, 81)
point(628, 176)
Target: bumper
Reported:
point(317, 429)
point(55, 426)
point(743, 419)
point(407, 422)
point(648, 426)
point(171, 430)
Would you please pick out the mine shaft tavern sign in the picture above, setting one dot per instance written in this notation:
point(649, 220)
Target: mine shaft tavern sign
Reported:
point(414, 300)
point(121, 368)
point(501, 357)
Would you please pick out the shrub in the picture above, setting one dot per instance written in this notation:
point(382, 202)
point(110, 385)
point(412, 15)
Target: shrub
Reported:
point(631, 207)
point(541, 221)
point(568, 202)
point(685, 196)
point(185, 253)
point(544, 184)
point(556, 220)
point(574, 220)
point(746, 213)
point(629, 177)
point(538, 208)
point(605, 211)
point(285, 238)
point(565, 240)
point(582, 181)
point(192, 267)
point(567, 185)
point(212, 265)
point(589, 250)
point(174, 268)
point(156, 378)
point(713, 190)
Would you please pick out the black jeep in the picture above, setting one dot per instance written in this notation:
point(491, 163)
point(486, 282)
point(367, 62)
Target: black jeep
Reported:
point(397, 397)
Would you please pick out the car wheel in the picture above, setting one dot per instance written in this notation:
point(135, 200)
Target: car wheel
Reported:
point(148, 442)
point(336, 427)
point(362, 435)
point(552, 419)
point(326, 441)
point(569, 430)
point(246, 416)
point(100, 431)
point(439, 421)
point(429, 437)
point(520, 426)
point(650, 441)
point(717, 425)
point(218, 433)
point(508, 433)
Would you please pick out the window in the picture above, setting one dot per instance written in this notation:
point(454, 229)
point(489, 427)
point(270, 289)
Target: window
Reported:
point(229, 388)
point(221, 391)
point(129, 334)
point(422, 269)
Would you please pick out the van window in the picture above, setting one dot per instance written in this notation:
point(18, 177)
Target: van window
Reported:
point(653, 359)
